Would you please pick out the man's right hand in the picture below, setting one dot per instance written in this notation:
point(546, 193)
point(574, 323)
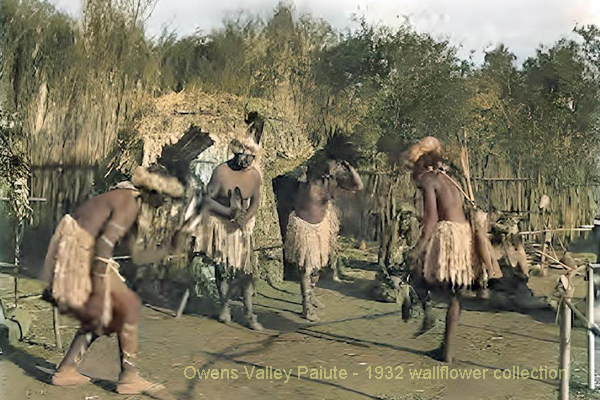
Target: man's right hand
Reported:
point(413, 255)
point(240, 218)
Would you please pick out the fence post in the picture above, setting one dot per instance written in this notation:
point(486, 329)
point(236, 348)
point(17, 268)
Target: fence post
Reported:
point(591, 337)
point(566, 318)
point(19, 232)
point(544, 241)
point(564, 366)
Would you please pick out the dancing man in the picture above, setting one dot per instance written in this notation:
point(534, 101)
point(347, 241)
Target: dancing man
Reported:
point(444, 251)
point(314, 223)
point(85, 282)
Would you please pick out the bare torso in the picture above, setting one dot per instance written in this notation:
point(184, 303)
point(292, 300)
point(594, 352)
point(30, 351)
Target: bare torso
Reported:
point(315, 195)
point(442, 201)
point(109, 216)
point(222, 185)
point(313, 199)
point(225, 180)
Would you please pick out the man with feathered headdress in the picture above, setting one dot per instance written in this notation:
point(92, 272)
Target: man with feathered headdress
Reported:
point(223, 228)
point(312, 227)
point(84, 281)
point(444, 251)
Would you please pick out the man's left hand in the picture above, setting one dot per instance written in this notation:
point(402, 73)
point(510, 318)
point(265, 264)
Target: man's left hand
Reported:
point(241, 218)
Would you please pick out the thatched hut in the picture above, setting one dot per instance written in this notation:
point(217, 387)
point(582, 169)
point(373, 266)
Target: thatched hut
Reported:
point(217, 116)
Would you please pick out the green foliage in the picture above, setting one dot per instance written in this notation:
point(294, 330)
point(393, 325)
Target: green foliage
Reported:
point(75, 82)
point(424, 93)
point(84, 81)
point(560, 98)
point(14, 168)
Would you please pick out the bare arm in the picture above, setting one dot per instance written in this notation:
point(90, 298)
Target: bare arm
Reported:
point(356, 184)
point(123, 215)
point(253, 207)
point(121, 220)
point(430, 217)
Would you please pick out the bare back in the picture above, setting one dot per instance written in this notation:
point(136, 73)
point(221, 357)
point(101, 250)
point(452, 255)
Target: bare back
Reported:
point(448, 199)
point(118, 206)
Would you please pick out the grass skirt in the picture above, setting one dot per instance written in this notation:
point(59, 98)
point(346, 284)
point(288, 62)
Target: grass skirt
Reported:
point(224, 242)
point(449, 256)
point(68, 264)
point(309, 245)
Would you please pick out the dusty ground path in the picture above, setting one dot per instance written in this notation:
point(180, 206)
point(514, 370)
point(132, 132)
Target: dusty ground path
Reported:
point(363, 337)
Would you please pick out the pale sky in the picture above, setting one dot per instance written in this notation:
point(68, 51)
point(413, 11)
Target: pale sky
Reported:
point(475, 24)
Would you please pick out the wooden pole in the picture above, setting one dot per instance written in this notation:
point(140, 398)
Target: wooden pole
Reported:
point(488, 190)
point(593, 327)
point(15, 277)
point(19, 231)
point(161, 309)
point(544, 238)
point(464, 161)
point(56, 323)
point(183, 303)
point(582, 229)
point(556, 260)
point(32, 199)
point(17, 262)
point(591, 338)
point(519, 187)
point(565, 351)
point(501, 179)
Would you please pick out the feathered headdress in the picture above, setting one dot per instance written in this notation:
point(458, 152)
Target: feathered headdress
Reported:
point(248, 140)
point(168, 185)
point(426, 145)
point(244, 144)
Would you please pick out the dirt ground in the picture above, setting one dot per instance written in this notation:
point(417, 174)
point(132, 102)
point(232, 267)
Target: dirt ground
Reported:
point(365, 338)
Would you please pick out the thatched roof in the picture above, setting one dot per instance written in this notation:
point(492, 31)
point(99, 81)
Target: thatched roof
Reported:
point(219, 115)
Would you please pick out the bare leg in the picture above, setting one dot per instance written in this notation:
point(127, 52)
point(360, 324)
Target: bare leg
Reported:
point(130, 381)
point(314, 279)
point(428, 317)
point(304, 285)
point(336, 264)
point(223, 286)
point(126, 316)
point(308, 308)
point(248, 287)
point(128, 347)
point(451, 323)
point(67, 374)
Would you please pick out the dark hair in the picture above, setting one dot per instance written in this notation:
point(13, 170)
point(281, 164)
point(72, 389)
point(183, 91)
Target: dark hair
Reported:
point(317, 166)
point(340, 147)
point(432, 159)
point(152, 198)
point(159, 169)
